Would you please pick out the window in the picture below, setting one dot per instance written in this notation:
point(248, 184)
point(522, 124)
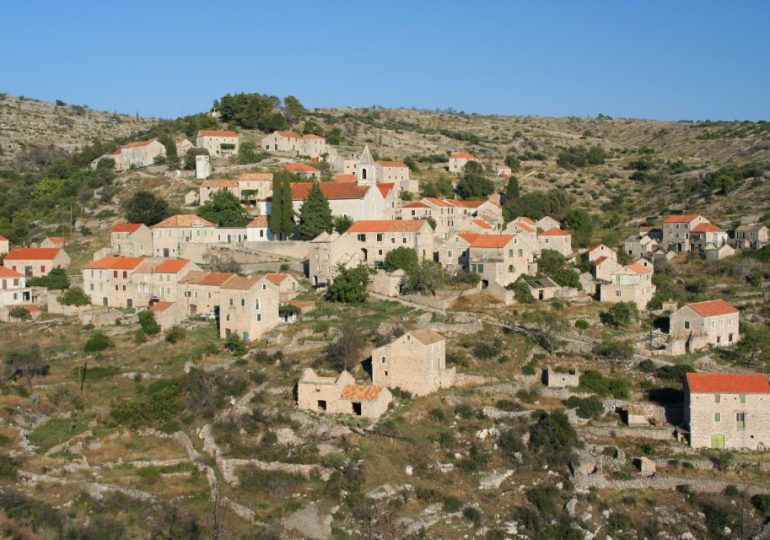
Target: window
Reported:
point(361, 237)
point(686, 325)
point(403, 240)
point(717, 417)
point(259, 317)
point(717, 398)
point(256, 305)
point(743, 398)
point(740, 420)
point(243, 302)
point(379, 237)
point(382, 360)
point(449, 253)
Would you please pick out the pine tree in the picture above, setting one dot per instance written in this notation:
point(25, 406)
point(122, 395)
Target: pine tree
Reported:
point(315, 216)
point(287, 211)
point(277, 207)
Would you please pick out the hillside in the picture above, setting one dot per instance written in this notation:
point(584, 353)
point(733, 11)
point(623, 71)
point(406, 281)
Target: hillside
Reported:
point(27, 123)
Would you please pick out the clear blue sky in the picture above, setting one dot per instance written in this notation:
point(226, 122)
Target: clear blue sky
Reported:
point(647, 59)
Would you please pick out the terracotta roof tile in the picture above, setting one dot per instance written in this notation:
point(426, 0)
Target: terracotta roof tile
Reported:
point(600, 260)
point(161, 306)
point(258, 222)
point(462, 155)
point(386, 225)
point(212, 279)
point(491, 240)
point(639, 268)
point(32, 254)
point(276, 278)
point(417, 204)
point(219, 183)
point(483, 224)
point(3, 238)
point(263, 176)
point(437, 202)
point(126, 227)
point(313, 136)
point(682, 218)
point(114, 263)
point(594, 247)
point(331, 190)
point(712, 308)
point(728, 383)
point(290, 134)
point(172, 266)
point(394, 164)
point(300, 167)
point(385, 188)
point(138, 144)
point(556, 232)
point(216, 133)
point(360, 392)
point(706, 228)
point(345, 178)
point(183, 220)
point(240, 282)
point(31, 308)
point(8, 273)
point(464, 204)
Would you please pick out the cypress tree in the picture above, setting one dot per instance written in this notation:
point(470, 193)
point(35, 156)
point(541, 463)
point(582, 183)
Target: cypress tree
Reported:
point(277, 208)
point(287, 211)
point(315, 216)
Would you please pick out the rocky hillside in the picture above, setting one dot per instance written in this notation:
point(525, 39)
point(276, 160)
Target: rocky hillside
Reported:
point(28, 123)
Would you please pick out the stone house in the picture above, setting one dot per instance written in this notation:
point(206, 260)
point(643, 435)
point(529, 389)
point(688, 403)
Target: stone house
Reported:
point(543, 288)
point(208, 187)
point(547, 223)
point(35, 262)
point(596, 251)
point(183, 146)
point(179, 229)
point(54, 242)
point(498, 258)
point(158, 279)
point(719, 253)
point(387, 283)
point(219, 143)
point(707, 236)
point(288, 286)
point(414, 362)
point(677, 229)
point(199, 293)
point(341, 395)
point(492, 212)
point(131, 240)
point(345, 199)
point(561, 379)
point(727, 411)
point(328, 250)
point(640, 245)
point(5, 245)
point(310, 145)
point(107, 281)
point(248, 307)
point(453, 252)
point(136, 154)
point(557, 240)
point(753, 236)
point(630, 283)
point(13, 288)
point(700, 324)
point(258, 230)
point(396, 172)
point(303, 170)
point(603, 268)
point(167, 314)
point(458, 161)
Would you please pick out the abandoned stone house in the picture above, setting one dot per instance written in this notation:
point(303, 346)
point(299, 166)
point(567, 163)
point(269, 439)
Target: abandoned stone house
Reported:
point(183, 146)
point(54, 242)
point(707, 236)
point(35, 262)
point(546, 223)
point(597, 251)
point(749, 236)
point(677, 231)
point(13, 288)
point(200, 292)
point(414, 362)
point(288, 286)
point(341, 395)
point(727, 410)
point(218, 143)
point(498, 258)
point(304, 171)
point(131, 240)
point(249, 307)
point(459, 160)
point(561, 378)
point(543, 288)
point(640, 245)
point(136, 154)
point(701, 324)
point(167, 314)
point(5, 245)
point(630, 283)
point(603, 268)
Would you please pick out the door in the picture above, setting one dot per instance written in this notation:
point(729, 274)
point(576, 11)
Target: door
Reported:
point(718, 442)
point(321, 404)
point(245, 337)
point(129, 303)
point(165, 252)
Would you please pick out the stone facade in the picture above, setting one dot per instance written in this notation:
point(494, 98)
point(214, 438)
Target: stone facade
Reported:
point(677, 230)
point(35, 262)
point(13, 288)
point(218, 143)
point(701, 324)
point(562, 379)
point(458, 161)
point(249, 307)
point(557, 240)
point(341, 395)
point(5, 245)
point(415, 362)
point(631, 283)
point(131, 240)
point(310, 145)
point(753, 236)
point(181, 228)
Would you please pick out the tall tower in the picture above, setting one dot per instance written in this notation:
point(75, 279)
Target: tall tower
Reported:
point(366, 170)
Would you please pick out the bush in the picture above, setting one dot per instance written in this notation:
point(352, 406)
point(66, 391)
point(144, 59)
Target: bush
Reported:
point(553, 438)
point(74, 296)
point(19, 313)
point(582, 324)
point(401, 258)
point(646, 366)
point(235, 345)
point(585, 407)
point(614, 349)
point(473, 515)
point(148, 323)
point(175, 334)
point(621, 315)
point(55, 280)
point(762, 503)
point(595, 382)
point(350, 285)
point(675, 372)
point(487, 349)
point(97, 342)
point(545, 499)
point(521, 292)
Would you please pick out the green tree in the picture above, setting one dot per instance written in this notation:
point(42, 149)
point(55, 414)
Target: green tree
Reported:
point(247, 153)
point(621, 315)
point(293, 109)
point(145, 207)
point(551, 261)
point(567, 278)
point(171, 156)
point(55, 280)
point(580, 223)
point(346, 351)
point(614, 349)
point(426, 277)
point(473, 184)
point(19, 313)
point(513, 162)
point(74, 296)
point(315, 215)
point(148, 323)
point(350, 285)
point(342, 223)
point(512, 188)
point(552, 438)
point(224, 209)
point(189, 157)
point(403, 258)
point(97, 342)
point(287, 210)
point(276, 214)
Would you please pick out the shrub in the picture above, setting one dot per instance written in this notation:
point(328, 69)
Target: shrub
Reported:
point(553, 438)
point(646, 366)
point(452, 504)
point(97, 342)
point(175, 334)
point(473, 515)
point(55, 280)
point(582, 324)
point(585, 407)
point(19, 313)
point(762, 503)
point(235, 345)
point(595, 382)
point(487, 349)
point(545, 499)
point(148, 323)
point(74, 296)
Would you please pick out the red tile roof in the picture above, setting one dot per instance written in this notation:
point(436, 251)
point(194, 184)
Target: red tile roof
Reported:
point(300, 167)
point(491, 240)
point(198, 277)
point(114, 263)
point(8, 273)
point(331, 190)
point(386, 225)
point(220, 183)
point(31, 308)
point(240, 282)
point(483, 224)
point(712, 308)
point(216, 133)
point(462, 155)
point(312, 136)
point(172, 266)
point(683, 218)
point(468, 236)
point(32, 254)
point(706, 228)
point(345, 178)
point(395, 164)
point(417, 204)
point(276, 278)
point(183, 220)
point(359, 392)
point(385, 189)
point(262, 176)
point(556, 232)
point(304, 305)
point(728, 383)
point(594, 247)
point(437, 202)
point(161, 306)
point(465, 204)
point(600, 260)
point(138, 144)
point(3, 238)
point(258, 222)
point(639, 268)
point(290, 134)
point(126, 227)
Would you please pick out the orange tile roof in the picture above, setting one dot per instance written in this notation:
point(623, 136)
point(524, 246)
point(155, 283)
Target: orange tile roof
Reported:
point(556, 232)
point(417, 204)
point(331, 190)
point(183, 220)
point(304, 305)
point(361, 392)
point(264, 176)
point(216, 133)
point(525, 219)
point(464, 204)
point(276, 278)
point(385, 189)
point(594, 247)
point(706, 228)
point(220, 183)
point(386, 225)
point(491, 240)
point(290, 134)
point(126, 227)
point(600, 260)
point(161, 306)
point(394, 164)
point(240, 282)
point(468, 236)
point(138, 144)
point(58, 239)
point(728, 383)
point(639, 268)
point(32, 254)
point(523, 225)
point(345, 178)
point(437, 202)
point(3, 238)
point(300, 167)
point(172, 266)
point(258, 222)
point(712, 308)
point(31, 308)
point(682, 218)
point(312, 136)
point(199, 277)
point(114, 263)
point(462, 155)
point(483, 224)
point(8, 273)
